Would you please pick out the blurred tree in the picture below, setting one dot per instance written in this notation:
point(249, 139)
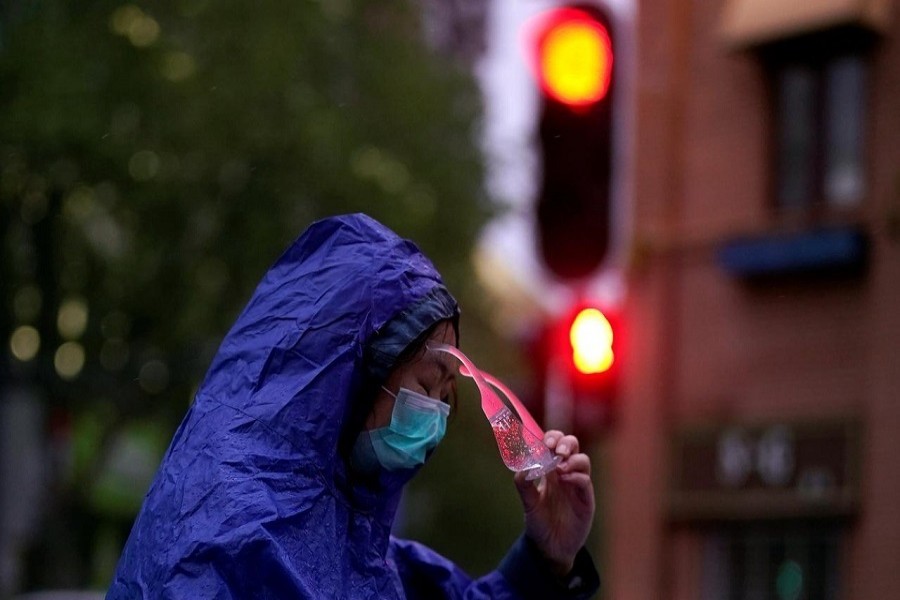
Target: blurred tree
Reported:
point(154, 159)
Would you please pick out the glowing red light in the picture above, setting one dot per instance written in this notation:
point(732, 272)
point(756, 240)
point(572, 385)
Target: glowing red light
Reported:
point(591, 337)
point(574, 56)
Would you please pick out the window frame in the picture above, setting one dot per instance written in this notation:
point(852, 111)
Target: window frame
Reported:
point(819, 53)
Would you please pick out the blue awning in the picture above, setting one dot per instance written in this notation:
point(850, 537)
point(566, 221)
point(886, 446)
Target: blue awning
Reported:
point(825, 250)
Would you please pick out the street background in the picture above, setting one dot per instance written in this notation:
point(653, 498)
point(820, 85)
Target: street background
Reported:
point(721, 205)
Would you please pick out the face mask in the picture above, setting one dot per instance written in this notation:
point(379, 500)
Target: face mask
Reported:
point(418, 424)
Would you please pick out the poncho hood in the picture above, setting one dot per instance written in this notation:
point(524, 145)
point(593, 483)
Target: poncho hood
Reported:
point(254, 492)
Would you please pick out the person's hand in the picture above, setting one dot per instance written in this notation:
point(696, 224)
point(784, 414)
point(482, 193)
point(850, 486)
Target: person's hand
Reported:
point(559, 510)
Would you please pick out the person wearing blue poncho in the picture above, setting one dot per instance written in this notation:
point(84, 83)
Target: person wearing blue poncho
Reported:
point(321, 403)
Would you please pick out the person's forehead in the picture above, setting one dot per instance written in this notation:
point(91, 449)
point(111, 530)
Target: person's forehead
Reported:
point(434, 363)
point(444, 333)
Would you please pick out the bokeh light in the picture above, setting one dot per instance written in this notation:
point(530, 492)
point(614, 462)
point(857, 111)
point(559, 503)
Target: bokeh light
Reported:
point(144, 165)
point(154, 377)
point(789, 583)
point(25, 342)
point(72, 318)
point(177, 66)
point(69, 360)
point(129, 21)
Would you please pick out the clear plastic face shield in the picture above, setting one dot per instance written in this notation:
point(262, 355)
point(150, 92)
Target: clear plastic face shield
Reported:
point(519, 437)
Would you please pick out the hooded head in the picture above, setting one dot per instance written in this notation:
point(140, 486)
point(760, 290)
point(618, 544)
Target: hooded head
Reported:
point(323, 331)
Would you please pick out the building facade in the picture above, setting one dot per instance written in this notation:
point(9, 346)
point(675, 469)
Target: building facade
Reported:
point(755, 452)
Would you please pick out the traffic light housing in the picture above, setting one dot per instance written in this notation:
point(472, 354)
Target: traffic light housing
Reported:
point(573, 61)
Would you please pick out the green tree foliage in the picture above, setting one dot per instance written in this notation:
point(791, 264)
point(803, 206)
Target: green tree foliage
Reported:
point(156, 157)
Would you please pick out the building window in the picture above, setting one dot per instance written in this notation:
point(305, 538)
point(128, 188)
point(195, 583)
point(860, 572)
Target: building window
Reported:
point(820, 115)
point(757, 562)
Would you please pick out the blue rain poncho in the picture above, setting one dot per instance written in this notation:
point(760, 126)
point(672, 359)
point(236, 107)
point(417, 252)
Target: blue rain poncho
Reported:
point(254, 497)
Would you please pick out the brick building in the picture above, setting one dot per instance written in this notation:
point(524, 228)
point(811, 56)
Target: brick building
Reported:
point(756, 451)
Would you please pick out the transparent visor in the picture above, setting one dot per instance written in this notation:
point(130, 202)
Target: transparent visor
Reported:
point(519, 437)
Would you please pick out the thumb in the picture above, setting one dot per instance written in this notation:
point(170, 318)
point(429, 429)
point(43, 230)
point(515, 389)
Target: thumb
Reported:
point(528, 491)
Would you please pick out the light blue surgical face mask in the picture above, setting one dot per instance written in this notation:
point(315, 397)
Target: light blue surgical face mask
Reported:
point(418, 423)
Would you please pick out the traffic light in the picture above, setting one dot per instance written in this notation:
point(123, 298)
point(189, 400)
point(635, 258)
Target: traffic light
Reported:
point(573, 62)
point(573, 59)
point(576, 365)
point(594, 339)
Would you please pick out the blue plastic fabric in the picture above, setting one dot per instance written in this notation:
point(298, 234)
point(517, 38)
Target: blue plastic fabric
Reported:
point(254, 498)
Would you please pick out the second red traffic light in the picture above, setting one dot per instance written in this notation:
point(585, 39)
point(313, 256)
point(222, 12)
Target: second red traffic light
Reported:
point(591, 338)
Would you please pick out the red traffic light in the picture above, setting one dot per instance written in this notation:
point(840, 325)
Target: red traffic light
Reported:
point(580, 366)
point(591, 338)
point(571, 50)
point(574, 57)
